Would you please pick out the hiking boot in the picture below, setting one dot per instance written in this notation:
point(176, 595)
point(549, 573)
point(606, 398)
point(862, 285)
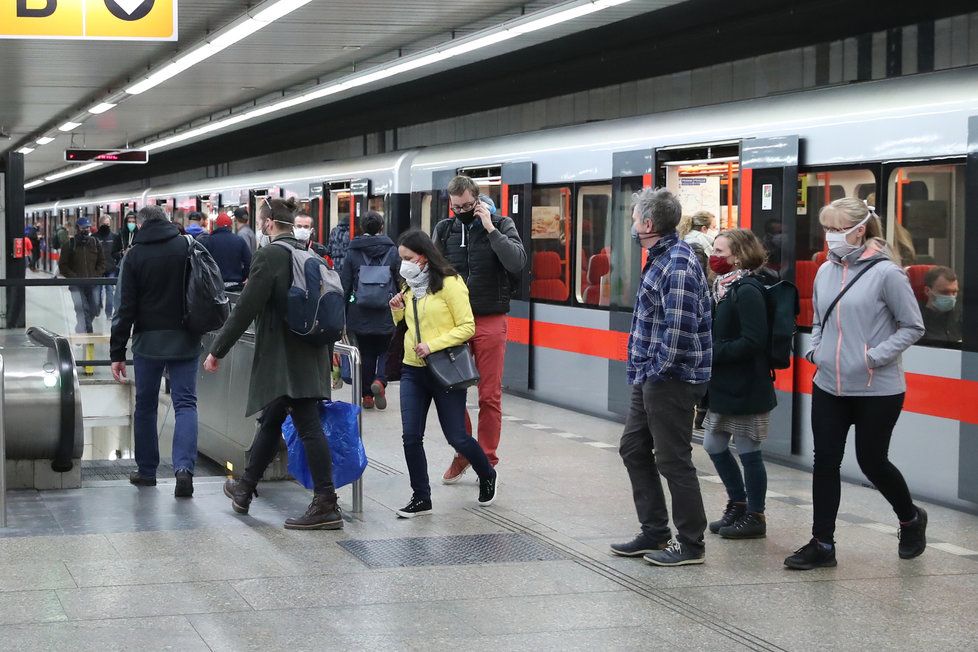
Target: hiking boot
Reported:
point(812, 555)
point(638, 546)
point(487, 490)
point(240, 492)
point(913, 536)
point(367, 402)
point(749, 526)
point(730, 515)
point(380, 394)
point(417, 507)
point(185, 484)
point(456, 470)
point(675, 554)
point(323, 514)
point(141, 480)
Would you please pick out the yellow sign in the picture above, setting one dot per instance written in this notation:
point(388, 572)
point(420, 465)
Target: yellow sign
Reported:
point(117, 20)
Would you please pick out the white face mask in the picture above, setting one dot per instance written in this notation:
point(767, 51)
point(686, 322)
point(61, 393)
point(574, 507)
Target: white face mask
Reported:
point(837, 241)
point(263, 240)
point(410, 269)
point(302, 233)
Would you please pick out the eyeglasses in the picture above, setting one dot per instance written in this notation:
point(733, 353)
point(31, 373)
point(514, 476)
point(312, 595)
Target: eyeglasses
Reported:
point(466, 208)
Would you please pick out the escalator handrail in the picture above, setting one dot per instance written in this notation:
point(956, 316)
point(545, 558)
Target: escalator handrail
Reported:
point(64, 454)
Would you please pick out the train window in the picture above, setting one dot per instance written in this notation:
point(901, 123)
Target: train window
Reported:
point(550, 240)
point(626, 258)
point(592, 271)
point(378, 204)
point(925, 227)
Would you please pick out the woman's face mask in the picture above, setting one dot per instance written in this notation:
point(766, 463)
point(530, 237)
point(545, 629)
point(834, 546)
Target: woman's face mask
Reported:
point(838, 242)
point(131, 226)
point(410, 269)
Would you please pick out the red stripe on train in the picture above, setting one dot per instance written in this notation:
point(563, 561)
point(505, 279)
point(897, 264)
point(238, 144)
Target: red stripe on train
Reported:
point(948, 398)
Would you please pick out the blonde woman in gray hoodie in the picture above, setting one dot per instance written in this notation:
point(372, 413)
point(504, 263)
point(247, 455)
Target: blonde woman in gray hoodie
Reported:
point(866, 316)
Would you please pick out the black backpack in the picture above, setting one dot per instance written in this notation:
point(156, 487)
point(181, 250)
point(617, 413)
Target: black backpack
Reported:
point(314, 307)
point(206, 306)
point(783, 306)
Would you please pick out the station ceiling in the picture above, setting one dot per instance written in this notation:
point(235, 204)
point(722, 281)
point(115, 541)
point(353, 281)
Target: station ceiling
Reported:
point(48, 83)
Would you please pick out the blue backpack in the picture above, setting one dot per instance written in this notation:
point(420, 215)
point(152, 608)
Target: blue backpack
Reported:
point(315, 308)
point(375, 284)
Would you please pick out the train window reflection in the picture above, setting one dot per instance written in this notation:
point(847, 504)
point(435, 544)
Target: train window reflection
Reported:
point(550, 243)
point(925, 227)
point(593, 269)
point(626, 258)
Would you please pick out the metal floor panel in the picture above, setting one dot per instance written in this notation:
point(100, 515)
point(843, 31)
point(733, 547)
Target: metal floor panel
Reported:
point(96, 470)
point(450, 551)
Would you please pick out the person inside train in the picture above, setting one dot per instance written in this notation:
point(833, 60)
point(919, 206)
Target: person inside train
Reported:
point(434, 303)
point(150, 308)
point(288, 375)
point(231, 253)
point(339, 241)
point(368, 274)
point(741, 389)
point(106, 240)
point(858, 335)
point(488, 253)
point(701, 222)
point(304, 233)
point(81, 257)
point(941, 310)
point(194, 227)
point(669, 356)
point(243, 224)
point(125, 237)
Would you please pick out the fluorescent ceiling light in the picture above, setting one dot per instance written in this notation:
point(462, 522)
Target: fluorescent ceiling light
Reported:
point(101, 108)
point(44, 140)
point(72, 171)
point(68, 126)
point(25, 150)
point(279, 9)
point(33, 184)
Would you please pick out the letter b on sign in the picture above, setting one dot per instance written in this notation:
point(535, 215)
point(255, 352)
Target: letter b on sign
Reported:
point(24, 11)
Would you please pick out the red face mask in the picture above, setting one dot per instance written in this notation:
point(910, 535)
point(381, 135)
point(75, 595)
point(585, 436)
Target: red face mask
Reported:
point(720, 265)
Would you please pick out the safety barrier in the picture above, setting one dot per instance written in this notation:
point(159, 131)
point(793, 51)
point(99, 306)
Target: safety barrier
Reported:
point(353, 353)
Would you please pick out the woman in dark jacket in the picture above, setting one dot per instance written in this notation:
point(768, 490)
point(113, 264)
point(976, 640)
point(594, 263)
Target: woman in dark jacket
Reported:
point(125, 237)
point(741, 389)
point(368, 319)
point(288, 375)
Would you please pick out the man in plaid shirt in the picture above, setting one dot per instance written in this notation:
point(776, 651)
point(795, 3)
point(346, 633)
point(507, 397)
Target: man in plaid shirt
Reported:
point(669, 358)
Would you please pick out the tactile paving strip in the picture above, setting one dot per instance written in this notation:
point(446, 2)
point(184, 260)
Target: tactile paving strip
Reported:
point(95, 470)
point(450, 551)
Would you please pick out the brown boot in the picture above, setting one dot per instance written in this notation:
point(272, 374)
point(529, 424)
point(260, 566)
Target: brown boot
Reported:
point(240, 492)
point(323, 514)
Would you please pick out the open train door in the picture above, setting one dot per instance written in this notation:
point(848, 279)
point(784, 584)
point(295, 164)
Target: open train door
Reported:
point(968, 446)
point(515, 202)
point(768, 206)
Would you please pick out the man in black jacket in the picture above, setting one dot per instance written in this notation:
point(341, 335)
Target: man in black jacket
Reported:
point(151, 307)
point(81, 257)
point(485, 249)
point(231, 253)
point(106, 240)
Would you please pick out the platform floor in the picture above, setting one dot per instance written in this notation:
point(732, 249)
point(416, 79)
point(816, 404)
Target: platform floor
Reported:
point(112, 567)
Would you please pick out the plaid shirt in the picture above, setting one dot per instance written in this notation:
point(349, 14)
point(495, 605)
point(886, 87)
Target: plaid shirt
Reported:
point(671, 325)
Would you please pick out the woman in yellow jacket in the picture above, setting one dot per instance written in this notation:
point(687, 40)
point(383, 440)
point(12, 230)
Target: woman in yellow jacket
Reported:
point(445, 316)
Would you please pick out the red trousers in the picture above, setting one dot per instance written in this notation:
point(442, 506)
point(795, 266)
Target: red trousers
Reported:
point(489, 348)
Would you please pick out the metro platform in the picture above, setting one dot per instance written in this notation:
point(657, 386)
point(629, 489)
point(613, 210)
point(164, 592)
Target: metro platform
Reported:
point(112, 566)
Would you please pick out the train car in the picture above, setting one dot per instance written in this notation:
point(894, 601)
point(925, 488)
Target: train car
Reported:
point(768, 165)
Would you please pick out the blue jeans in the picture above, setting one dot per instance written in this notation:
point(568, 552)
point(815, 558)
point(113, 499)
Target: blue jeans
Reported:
point(183, 392)
point(418, 390)
point(85, 298)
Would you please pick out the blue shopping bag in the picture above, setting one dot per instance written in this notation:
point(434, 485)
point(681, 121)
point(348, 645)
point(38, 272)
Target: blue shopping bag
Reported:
point(342, 430)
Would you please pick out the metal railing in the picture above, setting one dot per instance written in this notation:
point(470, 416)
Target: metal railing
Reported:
point(355, 373)
point(3, 452)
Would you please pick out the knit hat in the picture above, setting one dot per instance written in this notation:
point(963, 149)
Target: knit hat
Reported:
point(223, 221)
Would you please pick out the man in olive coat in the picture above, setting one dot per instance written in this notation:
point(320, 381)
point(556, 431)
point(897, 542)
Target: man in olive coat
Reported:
point(288, 375)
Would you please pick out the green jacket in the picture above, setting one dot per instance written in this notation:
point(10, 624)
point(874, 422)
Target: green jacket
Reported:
point(283, 365)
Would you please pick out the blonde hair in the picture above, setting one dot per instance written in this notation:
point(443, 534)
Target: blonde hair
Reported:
point(685, 226)
point(850, 211)
point(701, 219)
point(746, 247)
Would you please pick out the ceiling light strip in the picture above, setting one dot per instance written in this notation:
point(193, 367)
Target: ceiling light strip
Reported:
point(34, 184)
point(72, 171)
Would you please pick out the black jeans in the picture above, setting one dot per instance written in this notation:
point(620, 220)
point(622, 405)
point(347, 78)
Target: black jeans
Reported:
point(372, 348)
point(874, 418)
point(305, 416)
point(658, 439)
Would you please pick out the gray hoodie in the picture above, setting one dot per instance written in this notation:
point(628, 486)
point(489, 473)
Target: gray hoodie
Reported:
point(858, 351)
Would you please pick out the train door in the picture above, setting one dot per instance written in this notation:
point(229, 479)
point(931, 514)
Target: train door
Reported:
point(768, 206)
point(514, 202)
point(317, 209)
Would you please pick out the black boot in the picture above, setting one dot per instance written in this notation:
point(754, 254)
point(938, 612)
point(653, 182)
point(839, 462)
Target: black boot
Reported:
point(749, 526)
point(240, 492)
point(323, 514)
point(730, 515)
point(913, 536)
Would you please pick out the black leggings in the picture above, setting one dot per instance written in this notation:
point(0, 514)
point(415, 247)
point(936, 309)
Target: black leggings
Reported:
point(305, 416)
point(372, 348)
point(874, 418)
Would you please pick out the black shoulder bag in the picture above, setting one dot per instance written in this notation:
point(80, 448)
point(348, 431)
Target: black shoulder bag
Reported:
point(452, 368)
point(846, 288)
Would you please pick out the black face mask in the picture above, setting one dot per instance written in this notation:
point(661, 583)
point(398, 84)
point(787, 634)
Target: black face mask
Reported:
point(467, 217)
point(103, 229)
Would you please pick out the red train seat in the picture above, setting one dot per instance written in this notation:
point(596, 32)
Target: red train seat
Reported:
point(548, 281)
point(917, 274)
point(805, 280)
point(598, 266)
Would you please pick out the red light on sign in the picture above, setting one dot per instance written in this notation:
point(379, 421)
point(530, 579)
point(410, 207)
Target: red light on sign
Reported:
point(135, 156)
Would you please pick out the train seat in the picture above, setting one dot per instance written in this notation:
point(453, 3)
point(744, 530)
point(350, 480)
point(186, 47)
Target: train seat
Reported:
point(805, 280)
point(548, 282)
point(598, 266)
point(916, 274)
point(821, 257)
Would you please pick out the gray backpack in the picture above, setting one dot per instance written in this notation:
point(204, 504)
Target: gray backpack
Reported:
point(315, 311)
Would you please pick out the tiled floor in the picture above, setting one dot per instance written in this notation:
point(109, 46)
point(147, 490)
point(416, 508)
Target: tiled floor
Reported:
point(113, 567)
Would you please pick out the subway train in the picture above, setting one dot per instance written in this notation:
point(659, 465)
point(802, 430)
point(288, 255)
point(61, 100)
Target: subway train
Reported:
point(769, 164)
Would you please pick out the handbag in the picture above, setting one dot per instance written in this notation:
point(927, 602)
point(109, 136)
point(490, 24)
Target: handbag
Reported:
point(452, 368)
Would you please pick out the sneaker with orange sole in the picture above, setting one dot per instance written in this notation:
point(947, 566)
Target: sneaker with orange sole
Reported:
point(368, 402)
point(455, 472)
point(380, 394)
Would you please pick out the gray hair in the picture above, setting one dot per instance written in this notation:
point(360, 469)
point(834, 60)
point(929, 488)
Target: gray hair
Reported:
point(147, 213)
point(661, 207)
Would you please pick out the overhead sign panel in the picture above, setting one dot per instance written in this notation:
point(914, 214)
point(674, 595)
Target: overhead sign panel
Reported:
point(118, 20)
point(138, 156)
